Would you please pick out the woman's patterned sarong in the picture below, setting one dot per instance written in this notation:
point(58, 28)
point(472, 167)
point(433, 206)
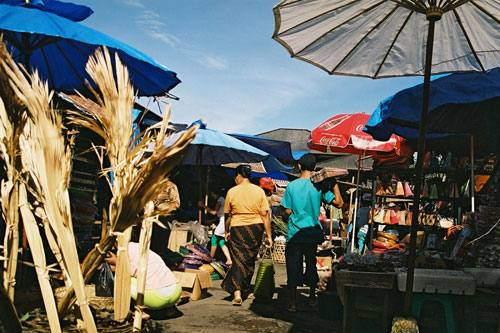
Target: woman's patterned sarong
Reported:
point(243, 245)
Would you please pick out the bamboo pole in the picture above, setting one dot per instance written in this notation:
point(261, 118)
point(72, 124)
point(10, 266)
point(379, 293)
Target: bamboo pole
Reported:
point(36, 246)
point(144, 242)
point(121, 299)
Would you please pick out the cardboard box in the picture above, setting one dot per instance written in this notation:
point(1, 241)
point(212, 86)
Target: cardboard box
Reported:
point(179, 238)
point(194, 281)
point(324, 263)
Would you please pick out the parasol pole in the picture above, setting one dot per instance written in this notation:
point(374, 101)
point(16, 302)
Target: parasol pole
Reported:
point(200, 177)
point(206, 189)
point(472, 180)
point(353, 235)
point(374, 196)
point(349, 218)
point(432, 17)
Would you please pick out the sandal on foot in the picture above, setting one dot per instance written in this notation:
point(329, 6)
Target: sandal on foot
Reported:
point(291, 309)
point(237, 302)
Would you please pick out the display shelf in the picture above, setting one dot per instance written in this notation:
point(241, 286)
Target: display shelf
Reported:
point(443, 199)
point(390, 196)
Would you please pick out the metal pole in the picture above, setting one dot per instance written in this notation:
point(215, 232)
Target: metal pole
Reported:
point(472, 180)
point(353, 235)
point(374, 201)
point(420, 160)
point(200, 177)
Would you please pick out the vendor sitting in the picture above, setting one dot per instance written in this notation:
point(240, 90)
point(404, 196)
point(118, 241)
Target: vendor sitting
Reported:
point(162, 291)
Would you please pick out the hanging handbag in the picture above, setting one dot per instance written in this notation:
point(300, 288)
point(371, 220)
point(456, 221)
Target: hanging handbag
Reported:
point(399, 189)
point(434, 192)
point(387, 216)
point(394, 218)
point(379, 216)
point(454, 193)
point(380, 189)
point(407, 190)
point(425, 191)
point(447, 162)
point(480, 181)
point(409, 217)
point(264, 280)
point(402, 217)
point(389, 190)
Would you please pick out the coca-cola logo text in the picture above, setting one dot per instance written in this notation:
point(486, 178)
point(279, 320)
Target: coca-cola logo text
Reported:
point(329, 141)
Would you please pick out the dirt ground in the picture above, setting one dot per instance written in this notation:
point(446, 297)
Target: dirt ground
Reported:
point(216, 314)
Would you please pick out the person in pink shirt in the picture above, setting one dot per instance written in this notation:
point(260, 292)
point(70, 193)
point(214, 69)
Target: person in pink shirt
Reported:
point(163, 290)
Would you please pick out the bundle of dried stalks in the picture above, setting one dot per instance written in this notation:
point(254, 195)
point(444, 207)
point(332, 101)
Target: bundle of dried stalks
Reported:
point(36, 246)
point(12, 120)
point(47, 159)
point(142, 265)
point(140, 168)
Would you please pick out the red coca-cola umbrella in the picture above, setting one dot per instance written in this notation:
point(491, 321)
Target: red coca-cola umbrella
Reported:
point(343, 133)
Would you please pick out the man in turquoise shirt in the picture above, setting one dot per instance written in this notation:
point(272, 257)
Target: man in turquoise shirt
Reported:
point(302, 201)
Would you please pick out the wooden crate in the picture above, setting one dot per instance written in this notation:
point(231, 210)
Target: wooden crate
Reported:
point(367, 309)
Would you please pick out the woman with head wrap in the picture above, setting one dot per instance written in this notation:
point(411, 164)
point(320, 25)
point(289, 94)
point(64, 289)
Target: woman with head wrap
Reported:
point(247, 216)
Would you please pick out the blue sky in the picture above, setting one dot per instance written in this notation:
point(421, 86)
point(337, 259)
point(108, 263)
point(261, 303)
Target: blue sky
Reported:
point(234, 76)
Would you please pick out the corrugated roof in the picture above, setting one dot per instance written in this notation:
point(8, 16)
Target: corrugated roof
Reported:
point(297, 137)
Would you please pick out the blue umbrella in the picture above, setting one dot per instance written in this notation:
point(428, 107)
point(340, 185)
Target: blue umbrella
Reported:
point(211, 147)
point(462, 103)
point(277, 148)
point(59, 49)
point(68, 10)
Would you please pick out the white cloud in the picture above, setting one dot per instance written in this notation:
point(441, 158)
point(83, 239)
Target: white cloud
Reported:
point(152, 25)
point(212, 62)
point(134, 3)
point(163, 37)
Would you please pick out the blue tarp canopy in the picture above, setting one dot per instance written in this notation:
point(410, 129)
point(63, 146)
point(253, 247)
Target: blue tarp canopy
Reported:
point(277, 148)
point(59, 49)
point(211, 147)
point(461, 103)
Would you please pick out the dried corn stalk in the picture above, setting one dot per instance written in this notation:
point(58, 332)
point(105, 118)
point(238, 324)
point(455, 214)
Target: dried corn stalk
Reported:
point(12, 121)
point(140, 169)
point(36, 246)
point(142, 265)
point(48, 160)
point(121, 293)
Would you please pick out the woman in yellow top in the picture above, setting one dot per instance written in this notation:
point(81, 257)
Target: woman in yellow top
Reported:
point(247, 216)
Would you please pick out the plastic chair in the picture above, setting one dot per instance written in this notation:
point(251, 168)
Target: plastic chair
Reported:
point(445, 300)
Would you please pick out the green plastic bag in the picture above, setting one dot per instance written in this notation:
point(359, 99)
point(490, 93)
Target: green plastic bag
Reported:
point(264, 280)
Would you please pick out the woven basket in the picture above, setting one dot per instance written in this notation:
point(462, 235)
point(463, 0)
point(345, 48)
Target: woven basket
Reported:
point(279, 252)
point(264, 279)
